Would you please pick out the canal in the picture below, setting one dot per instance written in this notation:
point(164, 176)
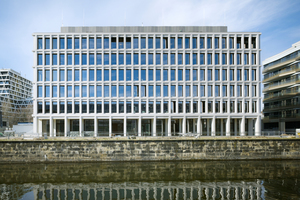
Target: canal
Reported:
point(152, 180)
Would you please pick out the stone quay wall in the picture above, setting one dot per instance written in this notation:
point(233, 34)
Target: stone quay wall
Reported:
point(147, 150)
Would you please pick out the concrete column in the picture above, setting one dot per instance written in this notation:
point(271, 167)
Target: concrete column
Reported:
point(80, 126)
point(213, 127)
point(198, 125)
point(222, 131)
point(188, 125)
point(66, 127)
point(51, 126)
point(184, 125)
point(242, 133)
point(250, 127)
point(228, 127)
point(154, 127)
point(40, 127)
point(110, 128)
point(54, 128)
point(180, 125)
point(125, 126)
point(169, 127)
point(208, 127)
point(193, 120)
point(258, 126)
point(95, 126)
point(35, 124)
point(140, 127)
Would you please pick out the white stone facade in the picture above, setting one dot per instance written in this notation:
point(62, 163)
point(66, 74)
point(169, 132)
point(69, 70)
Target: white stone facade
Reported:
point(209, 81)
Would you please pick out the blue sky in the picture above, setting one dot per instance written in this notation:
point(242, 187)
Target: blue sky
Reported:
point(277, 20)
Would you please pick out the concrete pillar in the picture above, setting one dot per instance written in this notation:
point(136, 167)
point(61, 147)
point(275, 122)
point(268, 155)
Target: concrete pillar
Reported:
point(51, 126)
point(67, 126)
point(54, 128)
point(198, 125)
point(140, 127)
point(180, 125)
point(125, 126)
point(110, 128)
point(184, 125)
point(169, 127)
point(80, 126)
point(208, 127)
point(40, 127)
point(222, 131)
point(228, 126)
point(250, 127)
point(213, 127)
point(35, 124)
point(242, 132)
point(257, 126)
point(95, 126)
point(188, 125)
point(193, 120)
point(154, 127)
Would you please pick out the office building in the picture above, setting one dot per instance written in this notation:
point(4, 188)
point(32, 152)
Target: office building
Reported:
point(147, 81)
point(282, 91)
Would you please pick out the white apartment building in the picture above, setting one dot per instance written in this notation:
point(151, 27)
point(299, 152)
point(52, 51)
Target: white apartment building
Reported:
point(147, 81)
point(15, 92)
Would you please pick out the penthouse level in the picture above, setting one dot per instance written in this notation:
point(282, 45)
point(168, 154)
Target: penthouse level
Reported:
point(100, 81)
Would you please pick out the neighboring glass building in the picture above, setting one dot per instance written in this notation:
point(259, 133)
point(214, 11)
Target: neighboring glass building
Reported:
point(147, 81)
point(282, 91)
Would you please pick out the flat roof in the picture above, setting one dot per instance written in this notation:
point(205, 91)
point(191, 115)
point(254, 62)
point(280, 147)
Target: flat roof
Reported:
point(142, 29)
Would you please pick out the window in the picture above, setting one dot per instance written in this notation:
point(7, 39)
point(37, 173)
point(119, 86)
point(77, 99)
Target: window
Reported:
point(128, 59)
point(166, 92)
point(143, 91)
point(157, 58)
point(76, 91)
point(195, 90)
point(253, 59)
point(203, 106)
point(224, 74)
point(136, 107)
point(224, 43)
point(69, 61)
point(202, 58)
point(47, 75)
point(106, 91)
point(157, 43)
point(187, 74)
point(165, 75)
point(106, 59)
point(202, 45)
point(209, 45)
point(69, 75)
point(40, 59)
point(187, 42)
point(47, 43)
point(91, 75)
point(47, 91)
point(209, 90)
point(217, 106)
point(216, 42)
point(113, 59)
point(113, 42)
point(180, 75)
point(239, 90)
point(202, 74)
point(217, 91)
point(209, 58)
point(135, 43)
point(165, 43)
point(128, 90)
point(231, 61)
point(173, 74)
point(150, 58)
point(209, 107)
point(121, 59)
point(246, 91)
point(40, 91)
point(91, 107)
point(121, 90)
point(76, 43)
point(83, 91)
point(54, 75)
point(217, 62)
point(40, 75)
point(99, 43)
point(158, 91)
point(158, 107)
point(187, 106)
point(253, 74)
point(113, 91)
point(224, 58)
point(180, 43)
point(254, 107)
point(246, 59)
point(143, 75)
point(106, 107)
point(239, 59)
point(239, 106)
point(166, 109)
point(187, 91)
point(180, 90)
point(231, 43)
point(172, 43)
point(61, 91)
point(202, 90)
point(187, 59)
point(83, 43)
point(99, 107)
point(128, 42)
point(239, 75)
point(209, 75)
point(54, 107)
point(172, 58)
point(165, 58)
point(62, 75)
point(157, 71)
point(150, 74)
point(121, 42)
point(40, 43)
point(217, 75)
point(136, 75)
point(150, 106)
point(69, 43)
point(232, 106)
point(99, 59)
point(150, 91)
point(195, 75)
point(246, 74)
point(224, 90)
point(195, 106)
point(231, 90)
point(143, 43)
point(99, 75)
point(173, 90)
point(76, 59)
point(143, 59)
point(84, 75)
point(231, 75)
point(128, 74)
point(106, 43)
point(224, 106)
point(121, 106)
point(194, 43)
point(113, 75)
point(106, 75)
point(61, 43)
point(150, 43)
point(121, 74)
point(238, 42)
point(84, 59)
point(91, 43)
point(69, 91)
point(61, 107)
point(128, 106)
point(99, 91)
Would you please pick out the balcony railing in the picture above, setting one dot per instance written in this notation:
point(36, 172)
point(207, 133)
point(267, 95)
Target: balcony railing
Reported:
point(281, 107)
point(282, 93)
point(293, 69)
point(278, 85)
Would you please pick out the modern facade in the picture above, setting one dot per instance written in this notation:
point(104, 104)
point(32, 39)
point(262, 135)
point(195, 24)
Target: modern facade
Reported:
point(282, 90)
point(15, 92)
point(147, 81)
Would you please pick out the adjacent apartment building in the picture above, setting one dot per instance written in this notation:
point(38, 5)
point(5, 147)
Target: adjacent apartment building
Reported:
point(15, 94)
point(282, 91)
point(147, 81)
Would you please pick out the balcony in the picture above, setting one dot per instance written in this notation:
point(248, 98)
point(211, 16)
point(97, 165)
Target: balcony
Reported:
point(280, 107)
point(282, 73)
point(281, 95)
point(279, 85)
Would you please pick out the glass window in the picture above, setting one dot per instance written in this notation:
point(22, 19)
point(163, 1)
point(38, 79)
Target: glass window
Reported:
point(217, 91)
point(135, 58)
point(143, 59)
point(128, 106)
point(231, 90)
point(209, 45)
point(195, 60)
point(136, 107)
point(54, 75)
point(99, 90)
point(40, 59)
point(187, 91)
point(143, 43)
point(69, 43)
point(54, 91)
point(166, 109)
point(128, 74)
point(202, 59)
point(179, 75)
point(158, 107)
point(40, 91)
point(143, 91)
point(231, 62)
point(106, 91)
point(157, 43)
point(165, 75)
point(224, 43)
point(239, 60)
point(113, 42)
point(113, 59)
point(47, 43)
point(150, 59)
point(106, 59)
point(106, 43)
point(209, 90)
point(84, 59)
point(54, 59)
point(224, 58)
point(121, 106)
point(76, 91)
point(224, 90)
point(209, 58)
point(121, 90)
point(69, 61)
point(69, 91)
point(128, 90)
point(61, 59)
point(99, 75)
point(99, 43)
point(40, 43)
point(128, 59)
point(83, 43)
point(62, 75)
point(195, 75)
point(195, 106)
point(165, 43)
point(99, 59)
point(121, 74)
point(136, 91)
point(76, 43)
point(150, 74)
point(232, 75)
point(194, 43)
point(195, 90)
point(99, 107)
point(217, 76)
point(61, 107)
point(150, 108)
point(202, 90)
point(180, 91)
point(136, 75)
point(54, 107)
point(202, 74)
point(187, 42)
point(84, 91)
point(173, 90)
point(84, 75)
point(121, 59)
point(187, 59)
point(166, 92)
point(187, 74)
point(172, 58)
point(150, 43)
point(217, 62)
point(47, 75)
point(180, 59)
point(172, 43)
point(157, 58)
point(202, 41)
point(121, 42)
point(106, 107)
point(253, 75)
point(113, 91)
point(224, 74)
point(106, 75)
point(76, 59)
point(91, 43)
point(143, 75)
point(150, 91)
point(231, 43)
point(47, 91)
point(113, 75)
point(61, 91)
point(216, 42)
point(91, 75)
point(69, 75)
point(173, 74)
point(158, 91)
point(91, 59)
point(246, 74)
point(61, 43)
point(239, 75)
point(158, 75)
point(165, 58)
point(128, 42)
point(209, 75)
point(135, 43)
point(180, 43)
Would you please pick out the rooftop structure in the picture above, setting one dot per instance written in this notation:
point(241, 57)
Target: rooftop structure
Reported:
point(147, 81)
